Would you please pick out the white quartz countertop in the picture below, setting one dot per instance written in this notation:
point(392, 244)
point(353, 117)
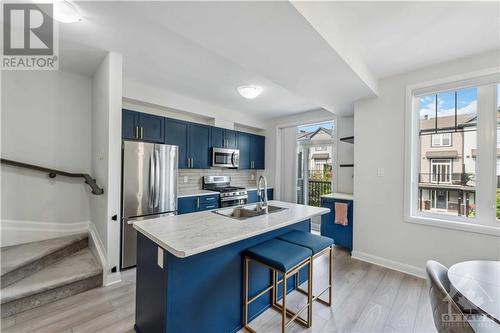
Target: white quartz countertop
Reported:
point(189, 234)
point(195, 193)
point(338, 195)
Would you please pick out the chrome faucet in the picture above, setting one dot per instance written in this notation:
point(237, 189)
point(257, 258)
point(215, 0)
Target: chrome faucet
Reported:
point(262, 197)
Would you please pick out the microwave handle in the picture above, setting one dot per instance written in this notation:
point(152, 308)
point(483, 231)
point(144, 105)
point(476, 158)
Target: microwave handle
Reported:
point(232, 157)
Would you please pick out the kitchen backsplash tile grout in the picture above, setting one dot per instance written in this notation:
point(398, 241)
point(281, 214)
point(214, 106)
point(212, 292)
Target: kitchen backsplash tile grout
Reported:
point(241, 178)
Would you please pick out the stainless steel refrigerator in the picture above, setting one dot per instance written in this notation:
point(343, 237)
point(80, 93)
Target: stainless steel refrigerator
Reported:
point(149, 185)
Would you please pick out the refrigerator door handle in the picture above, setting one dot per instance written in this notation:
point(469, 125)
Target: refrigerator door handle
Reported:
point(151, 181)
point(157, 179)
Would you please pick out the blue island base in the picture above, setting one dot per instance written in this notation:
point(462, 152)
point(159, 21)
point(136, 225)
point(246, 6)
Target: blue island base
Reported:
point(204, 292)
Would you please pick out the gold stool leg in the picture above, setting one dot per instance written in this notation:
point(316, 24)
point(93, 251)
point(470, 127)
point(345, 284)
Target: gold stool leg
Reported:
point(330, 276)
point(283, 319)
point(245, 309)
point(310, 293)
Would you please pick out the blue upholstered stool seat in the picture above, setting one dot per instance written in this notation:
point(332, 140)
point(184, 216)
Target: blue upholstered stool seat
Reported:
point(279, 254)
point(315, 243)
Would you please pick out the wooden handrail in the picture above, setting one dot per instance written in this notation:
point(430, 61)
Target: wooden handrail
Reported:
point(53, 173)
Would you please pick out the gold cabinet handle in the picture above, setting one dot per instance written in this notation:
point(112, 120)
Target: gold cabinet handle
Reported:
point(142, 132)
point(136, 135)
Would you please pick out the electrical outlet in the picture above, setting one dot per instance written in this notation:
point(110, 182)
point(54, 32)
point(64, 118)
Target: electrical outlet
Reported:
point(252, 177)
point(186, 179)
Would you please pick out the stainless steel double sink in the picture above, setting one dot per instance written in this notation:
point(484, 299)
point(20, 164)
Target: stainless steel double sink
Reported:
point(247, 211)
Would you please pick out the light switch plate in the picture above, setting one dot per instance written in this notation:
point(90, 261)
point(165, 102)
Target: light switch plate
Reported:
point(160, 257)
point(380, 172)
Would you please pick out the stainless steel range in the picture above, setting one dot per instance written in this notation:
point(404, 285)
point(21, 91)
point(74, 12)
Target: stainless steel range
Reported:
point(229, 195)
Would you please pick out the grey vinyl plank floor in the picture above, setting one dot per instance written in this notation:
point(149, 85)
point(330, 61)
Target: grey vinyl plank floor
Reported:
point(366, 299)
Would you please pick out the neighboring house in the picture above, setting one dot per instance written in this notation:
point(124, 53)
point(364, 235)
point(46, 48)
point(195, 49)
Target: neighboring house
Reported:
point(448, 146)
point(320, 155)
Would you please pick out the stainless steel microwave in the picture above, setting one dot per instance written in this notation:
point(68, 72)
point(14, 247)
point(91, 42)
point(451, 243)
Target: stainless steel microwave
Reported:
point(225, 158)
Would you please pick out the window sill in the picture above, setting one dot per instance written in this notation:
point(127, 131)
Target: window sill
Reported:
point(455, 225)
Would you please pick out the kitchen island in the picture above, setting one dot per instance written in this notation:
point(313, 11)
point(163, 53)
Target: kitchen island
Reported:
point(190, 268)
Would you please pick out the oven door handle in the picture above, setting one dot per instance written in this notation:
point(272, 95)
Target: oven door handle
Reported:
point(234, 198)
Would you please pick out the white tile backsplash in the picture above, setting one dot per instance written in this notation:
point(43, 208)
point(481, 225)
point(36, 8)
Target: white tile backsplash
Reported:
point(194, 177)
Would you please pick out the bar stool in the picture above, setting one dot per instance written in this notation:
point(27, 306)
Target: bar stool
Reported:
point(319, 245)
point(285, 258)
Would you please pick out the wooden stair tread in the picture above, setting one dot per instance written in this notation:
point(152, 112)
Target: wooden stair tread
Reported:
point(16, 256)
point(78, 266)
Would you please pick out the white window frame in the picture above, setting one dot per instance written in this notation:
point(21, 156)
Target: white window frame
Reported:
point(439, 143)
point(485, 221)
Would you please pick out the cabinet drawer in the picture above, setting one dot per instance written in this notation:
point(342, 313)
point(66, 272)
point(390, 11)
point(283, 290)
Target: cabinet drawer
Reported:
point(208, 206)
point(209, 199)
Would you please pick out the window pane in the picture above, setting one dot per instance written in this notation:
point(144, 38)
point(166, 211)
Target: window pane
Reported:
point(467, 108)
point(448, 159)
point(446, 111)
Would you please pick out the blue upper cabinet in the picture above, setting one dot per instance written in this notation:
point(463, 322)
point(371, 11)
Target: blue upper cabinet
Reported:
point(258, 152)
point(130, 127)
point(141, 126)
point(176, 133)
point(199, 146)
point(151, 128)
point(223, 138)
point(244, 140)
point(252, 151)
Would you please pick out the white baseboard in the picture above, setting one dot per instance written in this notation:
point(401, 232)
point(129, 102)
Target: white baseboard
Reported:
point(391, 264)
point(96, 245)
point(16, 232)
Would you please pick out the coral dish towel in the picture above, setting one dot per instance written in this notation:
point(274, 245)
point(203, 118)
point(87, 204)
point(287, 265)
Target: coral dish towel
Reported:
point(341, 214)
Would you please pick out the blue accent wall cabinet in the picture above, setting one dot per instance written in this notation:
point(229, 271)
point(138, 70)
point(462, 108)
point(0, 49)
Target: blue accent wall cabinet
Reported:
point(342, 235)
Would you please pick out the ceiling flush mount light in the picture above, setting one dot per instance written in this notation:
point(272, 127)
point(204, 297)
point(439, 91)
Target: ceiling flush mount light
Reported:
point(66, 12)
point(249, 91)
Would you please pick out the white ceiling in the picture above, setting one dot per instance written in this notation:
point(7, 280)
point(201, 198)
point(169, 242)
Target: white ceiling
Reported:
point(306, 55)
point(398, 37)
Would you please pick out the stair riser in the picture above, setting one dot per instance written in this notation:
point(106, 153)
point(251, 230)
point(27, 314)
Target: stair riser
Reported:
point(49, 296)
point(35, 266)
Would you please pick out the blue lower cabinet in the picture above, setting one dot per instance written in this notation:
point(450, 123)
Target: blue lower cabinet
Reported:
point(342, 235)
point(188, 205)
point(253, 197)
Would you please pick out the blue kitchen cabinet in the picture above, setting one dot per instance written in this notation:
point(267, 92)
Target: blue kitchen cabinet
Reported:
point(199, 146)
point(257, 152)
point(187, 205)
point(193, 204)
point(223, 138)
point(176, 133)
point(253, 197)
point(130, 127)
point(151, 128)
point(341, 235)
point(142, 126)
point(244, 141)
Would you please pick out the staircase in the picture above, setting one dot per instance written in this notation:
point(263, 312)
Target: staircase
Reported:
point(38, 273)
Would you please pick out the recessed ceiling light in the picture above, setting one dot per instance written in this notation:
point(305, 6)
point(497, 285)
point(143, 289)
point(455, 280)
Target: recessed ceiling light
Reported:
point(66, 12)
point(249, 91)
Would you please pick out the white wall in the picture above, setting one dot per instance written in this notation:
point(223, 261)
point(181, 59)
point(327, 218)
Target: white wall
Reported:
point(379, 231)
point(106, 159)
point(45, 121)
point(345, 155)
